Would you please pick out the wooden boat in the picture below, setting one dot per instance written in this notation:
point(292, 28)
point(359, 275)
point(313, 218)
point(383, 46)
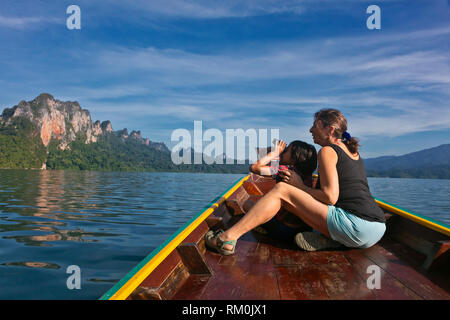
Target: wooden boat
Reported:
point(413, 260)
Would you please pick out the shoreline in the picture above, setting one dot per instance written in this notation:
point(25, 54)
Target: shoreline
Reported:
point(204, 172)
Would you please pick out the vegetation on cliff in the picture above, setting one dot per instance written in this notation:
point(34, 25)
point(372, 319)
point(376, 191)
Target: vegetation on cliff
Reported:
point(20, 146)
point(112, 153)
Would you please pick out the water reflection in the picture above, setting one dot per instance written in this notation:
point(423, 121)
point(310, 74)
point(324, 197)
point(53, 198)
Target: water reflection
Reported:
point(103, 222)
point(44, 202)
point(32, 264)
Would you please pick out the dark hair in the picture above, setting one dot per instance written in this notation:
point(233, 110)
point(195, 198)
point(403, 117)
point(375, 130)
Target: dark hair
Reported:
point(335, 118)
point(304, 157)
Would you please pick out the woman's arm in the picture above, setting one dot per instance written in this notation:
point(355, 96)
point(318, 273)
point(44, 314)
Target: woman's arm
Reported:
point(329, 180)
point(260, 167)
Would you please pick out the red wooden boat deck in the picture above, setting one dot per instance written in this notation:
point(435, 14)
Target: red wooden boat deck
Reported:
point(264, 269)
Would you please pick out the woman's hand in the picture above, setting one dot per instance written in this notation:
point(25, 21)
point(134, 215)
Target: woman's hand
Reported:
point(291, 177)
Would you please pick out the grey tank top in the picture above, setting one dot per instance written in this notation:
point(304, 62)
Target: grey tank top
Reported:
point(354, 193)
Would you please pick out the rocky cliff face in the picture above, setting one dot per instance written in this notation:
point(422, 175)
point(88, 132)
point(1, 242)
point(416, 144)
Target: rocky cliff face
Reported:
point(55, 119)
point(63, 121)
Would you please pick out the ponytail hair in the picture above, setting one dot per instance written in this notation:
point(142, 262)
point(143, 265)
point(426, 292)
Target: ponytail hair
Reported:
point(335, 118)
point(351, 143)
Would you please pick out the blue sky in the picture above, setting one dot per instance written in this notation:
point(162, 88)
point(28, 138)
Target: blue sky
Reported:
point(156, 65)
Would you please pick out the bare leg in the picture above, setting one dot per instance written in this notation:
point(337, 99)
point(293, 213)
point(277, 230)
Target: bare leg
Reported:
point(297, 201)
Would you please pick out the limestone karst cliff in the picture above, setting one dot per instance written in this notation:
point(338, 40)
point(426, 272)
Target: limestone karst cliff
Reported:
point(63, 121)
point(48, 134)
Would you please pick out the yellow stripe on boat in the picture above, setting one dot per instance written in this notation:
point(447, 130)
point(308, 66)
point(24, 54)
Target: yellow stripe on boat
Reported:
point(123, 292)
point(427, 222)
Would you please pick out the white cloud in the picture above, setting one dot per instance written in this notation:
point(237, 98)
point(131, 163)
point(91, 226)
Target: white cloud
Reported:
point(213, 9)
point(168, 110)
point(372, 66)
point(216, 9)
point(376, 79)
point(24, 22)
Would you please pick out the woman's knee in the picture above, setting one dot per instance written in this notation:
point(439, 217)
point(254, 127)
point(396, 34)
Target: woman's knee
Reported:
point(282, 189)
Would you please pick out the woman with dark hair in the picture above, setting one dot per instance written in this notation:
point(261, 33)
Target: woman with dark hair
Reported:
point(341, 208)
point(299, 156)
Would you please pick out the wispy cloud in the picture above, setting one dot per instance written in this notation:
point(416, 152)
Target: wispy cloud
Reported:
point(388, 65)
point(212, 9)
point(25, 22)
point(216, 9)
point(369, 82)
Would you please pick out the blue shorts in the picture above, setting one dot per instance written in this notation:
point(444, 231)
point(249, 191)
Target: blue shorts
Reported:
point(352, 231)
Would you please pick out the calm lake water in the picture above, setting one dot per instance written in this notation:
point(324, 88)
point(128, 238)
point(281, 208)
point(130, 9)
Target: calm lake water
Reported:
point(107, 222)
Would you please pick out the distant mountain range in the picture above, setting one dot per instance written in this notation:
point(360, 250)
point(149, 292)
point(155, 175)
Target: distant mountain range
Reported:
point(433, 163)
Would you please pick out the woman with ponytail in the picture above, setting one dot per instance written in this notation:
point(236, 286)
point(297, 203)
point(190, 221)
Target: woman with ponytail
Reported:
point(341, 207)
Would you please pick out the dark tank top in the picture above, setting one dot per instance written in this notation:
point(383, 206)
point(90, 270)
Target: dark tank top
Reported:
point(354, 193)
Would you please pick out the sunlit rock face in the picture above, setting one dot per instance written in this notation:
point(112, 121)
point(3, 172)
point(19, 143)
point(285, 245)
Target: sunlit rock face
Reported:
point(56, 119)
point(64, 121)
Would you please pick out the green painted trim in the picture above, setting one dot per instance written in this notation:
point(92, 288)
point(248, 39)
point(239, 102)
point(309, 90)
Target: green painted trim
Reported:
point(141, 264)
point(440, 223)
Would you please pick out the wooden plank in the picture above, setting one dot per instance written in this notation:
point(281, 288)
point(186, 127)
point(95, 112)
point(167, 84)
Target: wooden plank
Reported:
point(145, 293)
point(255, 178)
point(193, 259)
point(399, 262)
point(260, 285)
point(162, 271)
point(248, 274)
point(235, 201)
point(298, 282)
point(215, 222)
point(166, 290)
point(226, 284)
point(242, 281)
point(338, 277)
point(239, 195)
point(415, 236)
point(197, 234)
point(284, 256)
point(252, 188)
point(223, 212)
point(250, 202)
point(439, 258)
point(390, 288)
point(235, 207)
point(266, 185)
point(192, 288)
point(174, 281)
